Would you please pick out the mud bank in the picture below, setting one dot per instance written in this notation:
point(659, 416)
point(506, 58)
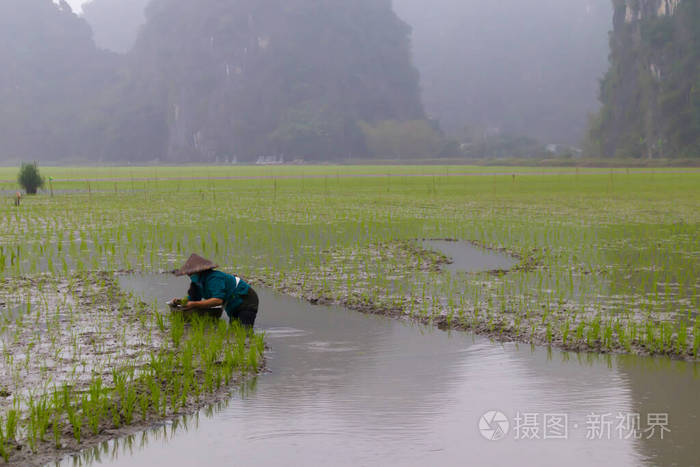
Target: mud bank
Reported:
point(84, 362)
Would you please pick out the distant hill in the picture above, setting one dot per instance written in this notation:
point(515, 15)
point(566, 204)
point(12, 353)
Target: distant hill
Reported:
point(651, 94)
point(51, 80)
point(290, 77)
point(207, 80)
point(519, 67)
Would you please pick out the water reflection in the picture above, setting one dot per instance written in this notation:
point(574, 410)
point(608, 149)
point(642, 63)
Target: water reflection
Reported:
point(671, 389)
point(365, 390)
point(163, 433)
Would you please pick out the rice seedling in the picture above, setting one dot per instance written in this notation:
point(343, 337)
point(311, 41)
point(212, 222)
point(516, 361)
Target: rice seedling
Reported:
point(76, 421)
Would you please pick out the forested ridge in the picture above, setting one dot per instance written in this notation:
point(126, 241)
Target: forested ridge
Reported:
point(651, 94)
point(207, 80)
point(288, 77)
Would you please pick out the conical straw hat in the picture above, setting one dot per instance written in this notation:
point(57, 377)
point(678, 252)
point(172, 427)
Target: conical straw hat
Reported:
point(195, 264)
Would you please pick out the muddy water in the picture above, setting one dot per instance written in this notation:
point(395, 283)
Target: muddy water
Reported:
point(468, 258)
point(345, 388)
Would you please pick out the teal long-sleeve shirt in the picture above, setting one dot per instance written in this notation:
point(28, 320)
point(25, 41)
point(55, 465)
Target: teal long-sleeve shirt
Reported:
point(217, 284)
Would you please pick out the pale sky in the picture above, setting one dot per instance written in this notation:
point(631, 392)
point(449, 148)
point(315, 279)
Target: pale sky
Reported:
point(76, 4)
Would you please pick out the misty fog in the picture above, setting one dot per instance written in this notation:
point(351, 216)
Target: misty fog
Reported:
point(521, 68)
point(529, 67)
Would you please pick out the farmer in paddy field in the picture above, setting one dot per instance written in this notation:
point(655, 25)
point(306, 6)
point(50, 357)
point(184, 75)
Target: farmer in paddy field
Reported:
point(210, 288)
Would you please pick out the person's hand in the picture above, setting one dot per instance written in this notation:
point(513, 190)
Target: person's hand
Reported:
point(189, 306)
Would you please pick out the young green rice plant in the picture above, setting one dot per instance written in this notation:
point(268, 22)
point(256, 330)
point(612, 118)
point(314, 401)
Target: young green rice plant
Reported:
point(160, 322)
point(187, 382)
point(177, 328)
point(580, 328)
point(650, 338)
point(38, 420)
point(197, 391)
point(682, 338)
point(593, 335)
point(696, 337)
point(253, 359)
point(120, 381)
point(94, 404)
point(75, 419)
point(115, 412)
point(565, 332)
point(608, 336)
point(259, 342)
point(4, 449)
point(57, 426)
point(156, 396)
point(129, 403)
point(157, 365)
point(666, 337)
point(633, 331)
point(144, 402)
point(11, 422)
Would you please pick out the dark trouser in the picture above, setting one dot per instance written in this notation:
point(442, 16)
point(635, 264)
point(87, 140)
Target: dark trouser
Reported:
point(246, 311)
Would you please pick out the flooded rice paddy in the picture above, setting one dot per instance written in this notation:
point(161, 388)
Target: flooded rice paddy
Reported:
point(608, 260)
point(605, 261)
point(354, 389)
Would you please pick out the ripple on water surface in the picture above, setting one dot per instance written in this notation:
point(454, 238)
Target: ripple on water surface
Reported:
point(353, 389)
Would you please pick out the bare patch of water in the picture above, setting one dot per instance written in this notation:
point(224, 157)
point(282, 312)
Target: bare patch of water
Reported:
point(469, 258)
